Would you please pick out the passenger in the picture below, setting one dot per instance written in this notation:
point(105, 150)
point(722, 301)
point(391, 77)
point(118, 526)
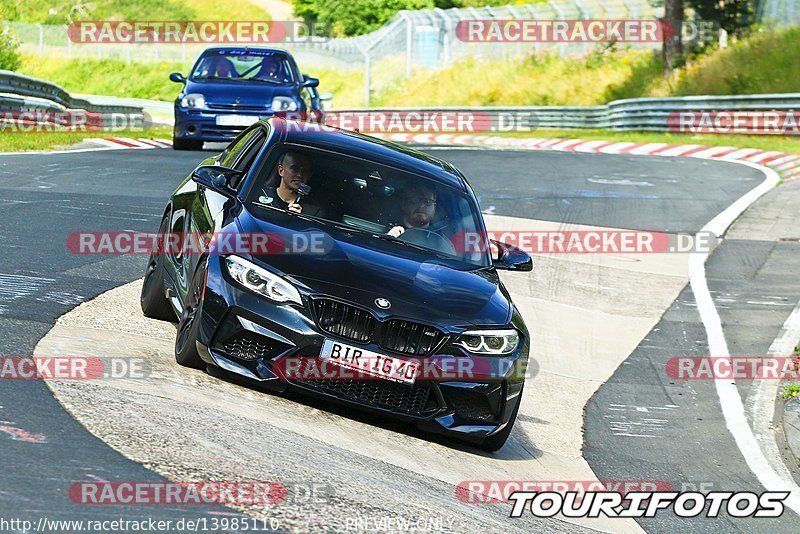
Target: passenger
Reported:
point(295, 170)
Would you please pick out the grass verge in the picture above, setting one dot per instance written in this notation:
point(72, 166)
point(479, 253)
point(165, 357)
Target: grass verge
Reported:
point(26, 142)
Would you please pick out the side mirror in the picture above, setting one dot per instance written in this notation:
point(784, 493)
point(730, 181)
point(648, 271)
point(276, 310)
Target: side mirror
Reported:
point(326, 96)
point(217, 178)
point(511, 258)
point(310, 82)
point(177, 77)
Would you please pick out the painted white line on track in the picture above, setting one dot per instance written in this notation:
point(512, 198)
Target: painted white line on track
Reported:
point(762, 403)
point(729, 397)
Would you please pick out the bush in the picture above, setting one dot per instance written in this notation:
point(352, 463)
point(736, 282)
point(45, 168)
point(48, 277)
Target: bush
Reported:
point(353, 17)
point(10, 58)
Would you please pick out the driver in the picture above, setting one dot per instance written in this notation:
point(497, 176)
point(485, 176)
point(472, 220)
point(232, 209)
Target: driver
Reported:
point(419, 208)
point(294, 168)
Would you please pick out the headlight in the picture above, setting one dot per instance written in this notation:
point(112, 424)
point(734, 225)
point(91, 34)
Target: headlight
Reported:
point(193, 100)
point(489, 341)
point(261, 281)
point(283, 103)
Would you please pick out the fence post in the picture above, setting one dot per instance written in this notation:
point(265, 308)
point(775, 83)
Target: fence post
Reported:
point(409, 36)
point(41, 40)
point(367, 76)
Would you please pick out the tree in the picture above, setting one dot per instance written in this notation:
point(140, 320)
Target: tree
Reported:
point(734, 16)
point(672, 45)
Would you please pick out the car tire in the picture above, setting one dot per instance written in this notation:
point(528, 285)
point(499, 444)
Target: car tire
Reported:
point(495, 443)
point(186, 144)
point(189, 324)
point(153, 298)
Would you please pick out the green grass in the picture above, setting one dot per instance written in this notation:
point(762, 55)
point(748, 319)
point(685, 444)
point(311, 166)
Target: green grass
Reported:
point(545, 80)
point(22, 142)
point(791, 391)
point(110, 77)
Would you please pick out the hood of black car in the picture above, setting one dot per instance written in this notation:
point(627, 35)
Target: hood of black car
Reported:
point(359, 268)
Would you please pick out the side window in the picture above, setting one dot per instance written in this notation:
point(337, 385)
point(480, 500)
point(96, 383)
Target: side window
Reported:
point(308, 100)
point(248, 155)
point(232, 153)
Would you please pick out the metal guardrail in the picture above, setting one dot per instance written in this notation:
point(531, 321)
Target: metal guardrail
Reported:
point(635, 114)
point(38, 93)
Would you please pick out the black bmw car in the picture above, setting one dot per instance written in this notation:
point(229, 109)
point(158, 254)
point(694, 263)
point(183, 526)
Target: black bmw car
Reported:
point(327, 249)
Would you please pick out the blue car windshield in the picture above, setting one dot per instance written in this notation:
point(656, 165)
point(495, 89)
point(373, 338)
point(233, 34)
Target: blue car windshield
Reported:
point(244, 66)
point(381, 202)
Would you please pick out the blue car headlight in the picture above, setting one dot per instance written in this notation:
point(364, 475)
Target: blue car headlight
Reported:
point(260, 281)
point(284, 103)
point(193, 100)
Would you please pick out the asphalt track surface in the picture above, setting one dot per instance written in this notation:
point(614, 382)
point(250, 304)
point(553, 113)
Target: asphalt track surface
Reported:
point(46, 197)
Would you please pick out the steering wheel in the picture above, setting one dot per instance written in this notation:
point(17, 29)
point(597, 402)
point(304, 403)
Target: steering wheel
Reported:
point(421, 236)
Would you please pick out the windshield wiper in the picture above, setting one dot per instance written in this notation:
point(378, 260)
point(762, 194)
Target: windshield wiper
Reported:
point(301, 215)
point(262, 80)
point(387, 237)
point(214, 78)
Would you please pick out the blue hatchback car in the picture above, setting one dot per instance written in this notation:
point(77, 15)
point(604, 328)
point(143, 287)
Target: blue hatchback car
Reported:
point(231, 88)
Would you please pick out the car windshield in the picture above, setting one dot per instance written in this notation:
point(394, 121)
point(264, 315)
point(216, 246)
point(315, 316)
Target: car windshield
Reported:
point(245, 66)
point(382, 203)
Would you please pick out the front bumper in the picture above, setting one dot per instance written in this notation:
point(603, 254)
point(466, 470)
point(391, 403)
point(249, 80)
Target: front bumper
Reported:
point(201, 124)
point(249, 336)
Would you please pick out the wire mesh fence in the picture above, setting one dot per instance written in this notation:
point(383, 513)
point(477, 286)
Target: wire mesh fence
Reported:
point(427, 38)
point(423, 39)
point(780, 12)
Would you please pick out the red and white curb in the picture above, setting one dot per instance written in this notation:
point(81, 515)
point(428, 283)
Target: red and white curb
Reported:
point(129, 143)
point(787, 165)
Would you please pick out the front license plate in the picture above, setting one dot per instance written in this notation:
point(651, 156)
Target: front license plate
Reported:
point(236, 120)
point(366, 362)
